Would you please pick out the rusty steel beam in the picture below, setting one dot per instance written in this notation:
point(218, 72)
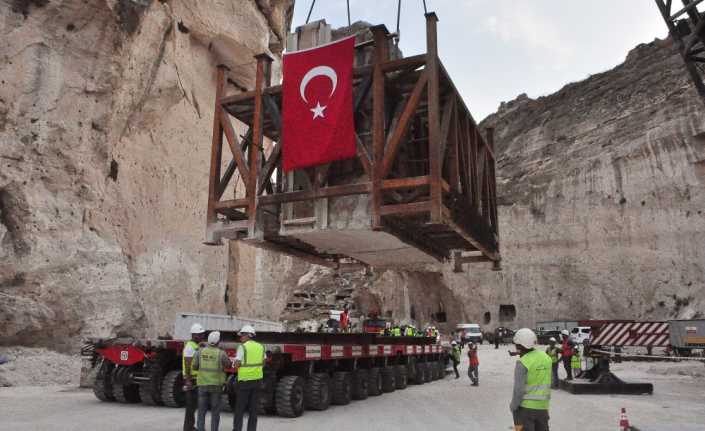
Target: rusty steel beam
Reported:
point(235, 147)
point(406, 209)
point(379, 33)
point(403, 183)
point(326, 192)
point(262, 80)
point(434, 130)
point(216, 148)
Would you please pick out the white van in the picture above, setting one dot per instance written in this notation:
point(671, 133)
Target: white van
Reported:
point(469, 332)
point(580, 333)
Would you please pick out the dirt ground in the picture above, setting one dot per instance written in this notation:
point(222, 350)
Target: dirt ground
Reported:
point(29, 366)
point(677, 404)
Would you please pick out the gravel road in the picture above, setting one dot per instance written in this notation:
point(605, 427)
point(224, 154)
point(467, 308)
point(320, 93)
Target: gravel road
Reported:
point(677, 404)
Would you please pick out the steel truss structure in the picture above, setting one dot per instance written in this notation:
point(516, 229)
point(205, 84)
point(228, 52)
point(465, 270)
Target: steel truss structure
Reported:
point(428, 172)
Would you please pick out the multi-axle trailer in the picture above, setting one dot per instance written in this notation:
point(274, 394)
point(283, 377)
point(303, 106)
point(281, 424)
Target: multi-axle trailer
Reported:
point(302, 370)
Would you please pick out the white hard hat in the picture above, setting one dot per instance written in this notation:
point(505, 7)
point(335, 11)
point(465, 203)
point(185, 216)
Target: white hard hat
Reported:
point(196, 328)
point(565, 332)
point(525, 337)
point(454, 342)
point(552, 339)
point(247, 329)
point(214, 337)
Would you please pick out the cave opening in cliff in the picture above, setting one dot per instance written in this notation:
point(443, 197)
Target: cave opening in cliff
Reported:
point(507, 312)
point(487, 318)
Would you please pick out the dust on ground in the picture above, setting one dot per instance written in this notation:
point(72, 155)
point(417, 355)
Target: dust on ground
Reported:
point(30, 366)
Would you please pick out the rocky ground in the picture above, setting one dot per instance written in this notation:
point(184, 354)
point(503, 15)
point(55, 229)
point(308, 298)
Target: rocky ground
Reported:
point(27, 366)
point(676, 405)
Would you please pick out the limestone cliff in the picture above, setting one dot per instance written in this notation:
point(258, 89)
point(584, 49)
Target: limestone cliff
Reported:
point(105, 125)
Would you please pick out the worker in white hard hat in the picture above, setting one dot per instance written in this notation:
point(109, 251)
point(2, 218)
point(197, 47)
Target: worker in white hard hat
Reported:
point(554, 352)
point(455, 357)
point(567, 350)
point(191, 397)
point(249, 364)
point(210, 362)
point(532, 384)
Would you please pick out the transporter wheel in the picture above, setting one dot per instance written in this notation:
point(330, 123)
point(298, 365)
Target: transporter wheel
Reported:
point(430, 372)
point(103, 385)
point(411, 371)
point(317, 392)
point(441, 370)
point(128, 394)
point(420, 378)
point(400, 376)
point(374, 382)
point(289, 396)
point(433, 367)
point(172, 389)
point(151, 391)
point(388, 382)
point(360, 382)
point(342, 388)
point(267, 394)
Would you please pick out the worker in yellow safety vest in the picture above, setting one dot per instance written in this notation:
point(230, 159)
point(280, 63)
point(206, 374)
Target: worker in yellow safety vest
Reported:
point(409, 331)
point(554, 352)
point(532, 384)
point(210, 362)
point(575, 362)
point(189, 375)
point(396, 331)
point(249, 363)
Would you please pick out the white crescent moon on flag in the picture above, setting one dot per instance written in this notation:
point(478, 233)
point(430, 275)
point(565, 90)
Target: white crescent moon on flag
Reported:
point(318, 71)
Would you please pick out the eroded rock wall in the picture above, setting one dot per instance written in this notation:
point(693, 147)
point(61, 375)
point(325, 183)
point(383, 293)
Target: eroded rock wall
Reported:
point(105, 126)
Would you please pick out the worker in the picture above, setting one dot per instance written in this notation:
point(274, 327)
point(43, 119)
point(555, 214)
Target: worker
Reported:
point(532, 384)
point(396, 330)
point(344, 320)
point(189, 375)
point(566, 353)
point(575, 362)
point(249, 363)
point(554, 352)
point(455, 357)
point(497, 337)
point(474, 364)
point(211, 362)
point(409, 331)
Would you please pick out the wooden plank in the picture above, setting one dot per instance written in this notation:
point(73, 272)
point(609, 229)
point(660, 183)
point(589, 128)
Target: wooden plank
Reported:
point(399, 132)
point(304, 195)
point(402, 183)
point(406, 209)
point(216, 149)
point(235, 148)
point(434, 127)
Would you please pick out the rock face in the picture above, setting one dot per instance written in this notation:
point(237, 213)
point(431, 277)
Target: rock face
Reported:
point(105, 125)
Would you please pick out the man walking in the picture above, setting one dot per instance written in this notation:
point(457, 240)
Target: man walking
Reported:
point(455, 357)
point(249, 363)
point(474, 364)
point(190, 349)
point(567, 353)
point(553, 352)
point(211, 363)
point(532, 384)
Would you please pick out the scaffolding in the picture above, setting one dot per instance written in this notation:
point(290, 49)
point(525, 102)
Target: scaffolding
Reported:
point(421, 189)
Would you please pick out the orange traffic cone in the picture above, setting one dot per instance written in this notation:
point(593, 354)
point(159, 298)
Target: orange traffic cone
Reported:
point(623, 421)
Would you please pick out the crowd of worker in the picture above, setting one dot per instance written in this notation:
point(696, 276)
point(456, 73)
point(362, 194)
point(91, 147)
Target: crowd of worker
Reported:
point(204, 371)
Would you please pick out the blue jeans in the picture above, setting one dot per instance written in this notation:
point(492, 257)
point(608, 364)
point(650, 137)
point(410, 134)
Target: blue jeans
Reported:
point(206, 399)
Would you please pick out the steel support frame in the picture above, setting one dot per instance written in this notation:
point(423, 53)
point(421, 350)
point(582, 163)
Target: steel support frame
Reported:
point(455, 187)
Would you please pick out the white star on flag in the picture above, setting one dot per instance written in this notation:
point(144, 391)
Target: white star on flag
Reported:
point(318, 111)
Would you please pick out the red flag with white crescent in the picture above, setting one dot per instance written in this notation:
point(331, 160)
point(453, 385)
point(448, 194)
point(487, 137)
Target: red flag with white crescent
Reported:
point(317, 101)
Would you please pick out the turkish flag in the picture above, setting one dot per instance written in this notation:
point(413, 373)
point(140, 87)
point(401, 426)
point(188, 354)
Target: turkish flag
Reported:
point(317, 104)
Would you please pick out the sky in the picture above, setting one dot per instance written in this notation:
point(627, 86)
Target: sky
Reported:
point(495, 50)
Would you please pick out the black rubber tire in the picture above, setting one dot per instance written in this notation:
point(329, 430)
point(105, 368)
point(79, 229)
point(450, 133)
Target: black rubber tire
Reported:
point(341, 388)
point(172, 389)
point(388, 382)
point(400, 379)
point(359, 384)
point(151, 391)
point(289, 396)
point(433, 371)
point(430, 372)
point(374, 382)
point(420, 374)
point(128, 394)
point(441, 370)
point(103, 385)
point(317, 392)
point(267, 403)
point(411, 371)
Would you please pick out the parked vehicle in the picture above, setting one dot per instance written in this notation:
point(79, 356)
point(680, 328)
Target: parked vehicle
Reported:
point(687, 335)
point(469, 332)
point(580, 334)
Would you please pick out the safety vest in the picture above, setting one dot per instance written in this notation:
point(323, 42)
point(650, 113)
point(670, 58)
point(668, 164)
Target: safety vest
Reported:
point(552, 352)
point(538, 380)
point(211, 372)
point(194, 345)
point(575, 361)
point(456, 354)
point(409, 331)
point(252, 366)
point(396, 331)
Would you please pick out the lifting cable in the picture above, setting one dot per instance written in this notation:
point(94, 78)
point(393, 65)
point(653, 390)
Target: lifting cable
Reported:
point(308, 17)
